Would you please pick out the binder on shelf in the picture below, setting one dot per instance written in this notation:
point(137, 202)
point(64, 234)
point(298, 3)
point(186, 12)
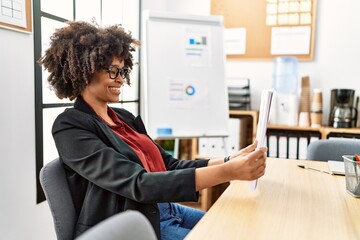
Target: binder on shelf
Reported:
point(234, 135)
point(282, 147)
point(303, 143)
point(203, 148)
point(272, 146)
point(221, 146)
point(217, 147)
point(313, 138)
point(292, 147)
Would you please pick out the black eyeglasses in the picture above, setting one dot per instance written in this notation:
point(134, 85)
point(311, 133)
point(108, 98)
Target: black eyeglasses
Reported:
point(115, 71)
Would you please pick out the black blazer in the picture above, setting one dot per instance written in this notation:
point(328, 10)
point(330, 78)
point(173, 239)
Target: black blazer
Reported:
point(106, 176)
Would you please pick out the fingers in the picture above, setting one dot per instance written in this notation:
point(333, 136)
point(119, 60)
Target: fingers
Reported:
point(257, 154)
point(258, 161)
point(260, 172)
point(264, 149)
point(249, 166)
point(250, 147)
point(255, 143)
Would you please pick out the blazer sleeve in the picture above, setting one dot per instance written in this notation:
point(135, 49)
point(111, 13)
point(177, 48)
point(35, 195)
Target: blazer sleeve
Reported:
point(89, 148)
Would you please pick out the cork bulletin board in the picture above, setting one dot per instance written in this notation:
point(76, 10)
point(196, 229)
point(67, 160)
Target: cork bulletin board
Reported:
point(16, 15)
point(264, 29)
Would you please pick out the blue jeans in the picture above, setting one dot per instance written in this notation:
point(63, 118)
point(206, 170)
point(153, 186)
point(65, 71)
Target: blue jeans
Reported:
point(177, 220)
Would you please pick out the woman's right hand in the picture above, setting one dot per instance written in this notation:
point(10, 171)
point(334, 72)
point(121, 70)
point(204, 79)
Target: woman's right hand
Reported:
point(248, 165)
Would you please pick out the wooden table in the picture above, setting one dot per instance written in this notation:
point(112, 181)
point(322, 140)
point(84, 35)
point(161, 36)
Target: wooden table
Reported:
point(289, 203)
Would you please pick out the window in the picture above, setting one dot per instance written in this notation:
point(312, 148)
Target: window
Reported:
point(51, 14)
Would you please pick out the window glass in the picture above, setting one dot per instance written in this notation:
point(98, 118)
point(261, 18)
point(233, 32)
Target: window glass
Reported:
point(130, 17)
point(130, 93)
point(63, 8)
point(131, 107)
point(112, 12)
point(49, 148)
point(88, 10)
point(48, 28)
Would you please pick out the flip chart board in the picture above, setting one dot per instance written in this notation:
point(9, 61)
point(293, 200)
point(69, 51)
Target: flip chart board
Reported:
point(183, 85)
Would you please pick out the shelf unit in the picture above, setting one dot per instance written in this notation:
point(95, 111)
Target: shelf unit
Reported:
point(324, 131)
point(252, 115)
point(292, 141)
point(328, 132)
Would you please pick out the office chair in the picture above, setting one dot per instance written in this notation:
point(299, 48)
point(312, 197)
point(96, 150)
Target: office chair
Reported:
point(126, 225)
point(332, 149)
point(57, 192)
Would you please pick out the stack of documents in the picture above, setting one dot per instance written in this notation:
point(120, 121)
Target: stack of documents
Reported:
point(264, 111)
point(336, 167)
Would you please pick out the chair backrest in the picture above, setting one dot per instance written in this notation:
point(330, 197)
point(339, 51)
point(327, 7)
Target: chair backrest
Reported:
point(127, 225)
point(332, 149)
point(57, 193)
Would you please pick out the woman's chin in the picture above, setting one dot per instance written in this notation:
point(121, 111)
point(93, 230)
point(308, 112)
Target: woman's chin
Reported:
point(114, 99)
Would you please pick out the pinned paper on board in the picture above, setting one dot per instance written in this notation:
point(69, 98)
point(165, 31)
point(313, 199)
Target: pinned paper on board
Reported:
point(290, 40)
point(264, 112)
point(235, 41)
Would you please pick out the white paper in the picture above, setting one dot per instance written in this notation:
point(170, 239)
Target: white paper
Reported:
point(197, 46)
point(264, 111)
point(235, 41)
point(336, 167)
point(290, 40)
point(188, 93)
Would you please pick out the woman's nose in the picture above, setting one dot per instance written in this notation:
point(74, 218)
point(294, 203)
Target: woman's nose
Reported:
point(120, 80)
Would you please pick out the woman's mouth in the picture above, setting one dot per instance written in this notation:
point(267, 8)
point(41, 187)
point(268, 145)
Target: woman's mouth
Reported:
point(115, 90)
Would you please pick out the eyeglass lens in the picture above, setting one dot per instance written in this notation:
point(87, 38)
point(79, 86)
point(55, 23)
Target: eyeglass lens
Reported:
point(115, 71)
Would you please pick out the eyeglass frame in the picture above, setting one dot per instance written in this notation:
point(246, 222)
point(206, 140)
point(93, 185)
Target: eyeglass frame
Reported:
point(123, 72)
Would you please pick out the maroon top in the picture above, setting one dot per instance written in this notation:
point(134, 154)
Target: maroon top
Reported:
point(145, 149)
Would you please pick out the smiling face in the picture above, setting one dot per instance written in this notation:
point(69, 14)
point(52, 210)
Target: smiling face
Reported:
point(102, 89)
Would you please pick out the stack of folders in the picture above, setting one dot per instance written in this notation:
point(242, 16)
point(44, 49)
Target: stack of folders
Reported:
point(239, 93)
point(264, 112)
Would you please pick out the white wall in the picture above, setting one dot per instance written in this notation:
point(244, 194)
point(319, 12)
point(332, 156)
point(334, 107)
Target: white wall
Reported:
point(20, 216)
point(337, 49)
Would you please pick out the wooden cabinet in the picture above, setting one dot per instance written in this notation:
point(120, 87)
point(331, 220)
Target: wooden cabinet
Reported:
point(251, 124)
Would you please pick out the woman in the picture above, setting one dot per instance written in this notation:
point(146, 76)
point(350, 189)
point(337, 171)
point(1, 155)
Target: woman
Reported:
point(111, 164)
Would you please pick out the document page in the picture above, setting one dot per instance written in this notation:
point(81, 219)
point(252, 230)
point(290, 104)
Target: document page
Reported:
point(264, 112)
point(336, 167)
